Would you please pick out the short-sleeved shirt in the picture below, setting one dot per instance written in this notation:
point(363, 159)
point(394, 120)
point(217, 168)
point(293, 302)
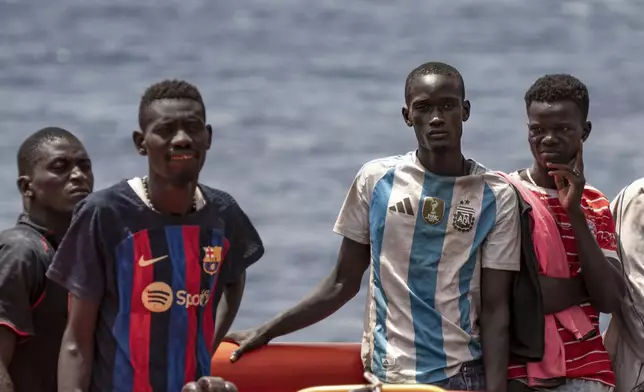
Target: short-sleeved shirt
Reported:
point(32, 306)
point(429, 237)
point(158, 279)
point(585, 359)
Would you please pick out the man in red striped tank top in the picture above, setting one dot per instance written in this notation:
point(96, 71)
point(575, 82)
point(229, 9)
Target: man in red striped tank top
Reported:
point(557, 107)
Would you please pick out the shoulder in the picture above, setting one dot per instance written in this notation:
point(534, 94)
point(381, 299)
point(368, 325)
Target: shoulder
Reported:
point(500, 187)
point(373, 171)
point(104, 199)
point(594, 198)
point(219, 199)
point(20, 247)
point(629, 193)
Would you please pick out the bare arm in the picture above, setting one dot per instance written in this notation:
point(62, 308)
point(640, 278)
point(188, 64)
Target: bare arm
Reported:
point(495, 323)
point(227, 309)
point(77, 348)
point(561, 293)
point(603, 277)
point(7, 345)
point(329, 296)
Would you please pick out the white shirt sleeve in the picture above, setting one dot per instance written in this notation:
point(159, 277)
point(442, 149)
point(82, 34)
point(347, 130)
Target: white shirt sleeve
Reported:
point(502, 248)
point(353, 220)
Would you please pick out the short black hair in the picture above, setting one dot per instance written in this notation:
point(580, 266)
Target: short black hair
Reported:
point(433, 68)
point(168, 89)
point(28, 150)
point(557, 88)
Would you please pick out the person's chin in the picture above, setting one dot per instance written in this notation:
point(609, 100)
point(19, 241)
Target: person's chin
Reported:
point(184, 177)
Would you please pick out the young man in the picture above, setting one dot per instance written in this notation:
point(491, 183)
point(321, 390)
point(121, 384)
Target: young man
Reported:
point(148, 260)
point(441, 235)
point(557, 107)
point(54, 173)
point(624, 337)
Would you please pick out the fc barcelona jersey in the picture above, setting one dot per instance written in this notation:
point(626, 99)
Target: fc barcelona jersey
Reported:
point(158, 278)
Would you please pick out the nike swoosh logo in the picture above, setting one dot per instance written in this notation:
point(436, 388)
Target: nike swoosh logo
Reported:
point(144, 263)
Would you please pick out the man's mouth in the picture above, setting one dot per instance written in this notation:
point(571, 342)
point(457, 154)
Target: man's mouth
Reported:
point(437, 134)
point(79, 191)
point(181, 157)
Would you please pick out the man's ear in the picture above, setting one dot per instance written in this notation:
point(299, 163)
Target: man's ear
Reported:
point(139, 142)
point(209, 129)
point(588, 126)
point(405, 114)
point(466, 110)
point(24, 186)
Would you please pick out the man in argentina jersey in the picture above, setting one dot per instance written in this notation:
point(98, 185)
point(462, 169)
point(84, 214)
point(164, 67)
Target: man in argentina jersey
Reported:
point(148, 260)
point(440, 235)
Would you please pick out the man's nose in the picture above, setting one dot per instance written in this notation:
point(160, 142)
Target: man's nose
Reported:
point(181, 139)
point(436, 120)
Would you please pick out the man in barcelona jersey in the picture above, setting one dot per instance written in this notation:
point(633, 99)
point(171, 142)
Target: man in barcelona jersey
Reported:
point(148, 260)
point(440, 237)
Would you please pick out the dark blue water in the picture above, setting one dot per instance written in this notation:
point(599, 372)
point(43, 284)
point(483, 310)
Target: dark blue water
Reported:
point(301, 94)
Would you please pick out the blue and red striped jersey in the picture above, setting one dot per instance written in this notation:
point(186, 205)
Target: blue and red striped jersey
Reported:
point(158, 278)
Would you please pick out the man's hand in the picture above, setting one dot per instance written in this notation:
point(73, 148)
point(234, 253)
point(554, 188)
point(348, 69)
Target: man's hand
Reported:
point(570, 181)
point(209, 384)
point(248, 340)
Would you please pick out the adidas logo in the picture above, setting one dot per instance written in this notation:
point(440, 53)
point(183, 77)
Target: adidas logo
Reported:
point(403, 206)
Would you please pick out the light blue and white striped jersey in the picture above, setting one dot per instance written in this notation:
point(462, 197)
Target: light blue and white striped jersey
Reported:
point(429, 237)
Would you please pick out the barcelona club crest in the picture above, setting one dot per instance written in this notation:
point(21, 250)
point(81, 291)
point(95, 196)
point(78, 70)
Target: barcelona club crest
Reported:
point(212, 259)
point(464, 216)
point(433, 210)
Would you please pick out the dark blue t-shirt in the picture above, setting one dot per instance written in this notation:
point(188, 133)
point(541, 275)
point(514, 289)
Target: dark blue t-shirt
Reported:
point(158, 278)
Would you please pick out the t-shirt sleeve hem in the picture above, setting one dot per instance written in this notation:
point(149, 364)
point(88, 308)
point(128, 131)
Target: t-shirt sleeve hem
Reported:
point(351, 234)
point(502, 267)
point(21, 332)
point(71, 286)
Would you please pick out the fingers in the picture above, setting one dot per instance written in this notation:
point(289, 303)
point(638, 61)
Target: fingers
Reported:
point(234, 357)
point(565, 170)
point(560, 182)
point(190, 387)
point(231, 338)
point(211, 384)
point(567, 174)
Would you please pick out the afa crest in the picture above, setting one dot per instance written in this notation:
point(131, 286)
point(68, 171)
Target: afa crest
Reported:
point(212, 259)
point(464, 216)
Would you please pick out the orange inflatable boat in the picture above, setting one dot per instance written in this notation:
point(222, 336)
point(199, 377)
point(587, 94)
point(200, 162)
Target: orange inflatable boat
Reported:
point(299, 367)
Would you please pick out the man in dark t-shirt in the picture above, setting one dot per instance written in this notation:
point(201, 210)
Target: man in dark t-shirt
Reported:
point(54, 174)
point(148, 260)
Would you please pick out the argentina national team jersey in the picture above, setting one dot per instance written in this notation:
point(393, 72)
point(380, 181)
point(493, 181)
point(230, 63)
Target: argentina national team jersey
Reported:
point(429, 236)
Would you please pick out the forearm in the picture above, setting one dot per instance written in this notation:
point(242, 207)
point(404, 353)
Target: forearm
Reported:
point(561, 293)
point(5, 380)
point(322, 302)
point(495, 338)
point(603, 280)
point(74, 366)
point(227, 309)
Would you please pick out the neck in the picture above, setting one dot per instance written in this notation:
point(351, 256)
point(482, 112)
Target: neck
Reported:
point(448, 163)
point(170, 198)
point(540, 176)
point(56, 222)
